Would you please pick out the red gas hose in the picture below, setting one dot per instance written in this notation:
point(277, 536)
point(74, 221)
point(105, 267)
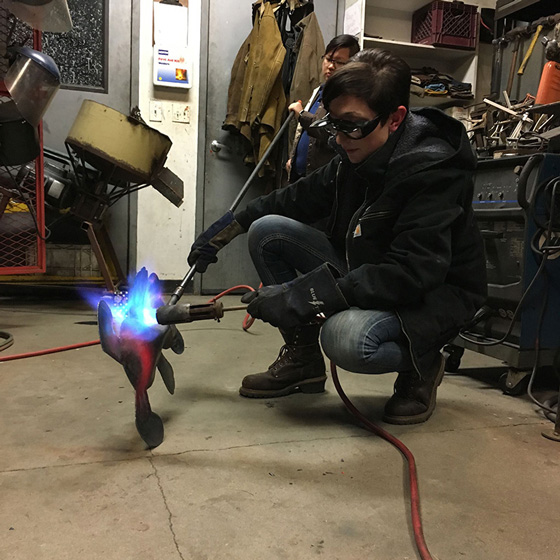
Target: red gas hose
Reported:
point(48, 351)
point(412, 473)
point(248, 320)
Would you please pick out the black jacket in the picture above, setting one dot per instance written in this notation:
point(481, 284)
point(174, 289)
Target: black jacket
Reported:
point(413, 245)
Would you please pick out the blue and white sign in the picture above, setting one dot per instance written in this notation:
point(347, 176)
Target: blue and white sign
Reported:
point(172, 67)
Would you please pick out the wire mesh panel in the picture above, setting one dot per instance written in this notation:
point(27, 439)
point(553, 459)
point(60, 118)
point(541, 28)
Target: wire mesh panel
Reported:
point(4, 32)
point(20, 245)
point(22, 217)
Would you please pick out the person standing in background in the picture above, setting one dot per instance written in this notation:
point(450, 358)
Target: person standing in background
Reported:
point(310, 148)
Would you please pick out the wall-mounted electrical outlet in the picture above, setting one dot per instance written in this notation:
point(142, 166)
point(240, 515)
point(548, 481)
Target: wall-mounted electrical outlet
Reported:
point(155, 111)
point(181, 113)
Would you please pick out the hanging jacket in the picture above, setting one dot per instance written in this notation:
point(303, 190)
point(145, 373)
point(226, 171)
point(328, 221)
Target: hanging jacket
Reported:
point(308, 69)
point(412, 246)
point(256, 99)
point(309, 47)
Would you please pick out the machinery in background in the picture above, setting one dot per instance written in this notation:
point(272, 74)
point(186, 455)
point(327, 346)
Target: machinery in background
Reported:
point(110, 155)
point(517, 206)
point(516, 134)
point(29, 79)
point(30, 83)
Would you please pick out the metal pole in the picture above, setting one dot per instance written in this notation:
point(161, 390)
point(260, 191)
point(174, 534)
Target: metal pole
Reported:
point(262, 161)
point(177, 294)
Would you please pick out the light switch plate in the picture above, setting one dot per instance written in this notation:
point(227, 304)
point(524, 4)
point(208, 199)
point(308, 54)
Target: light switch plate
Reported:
point(155, 111)
point(181, 113)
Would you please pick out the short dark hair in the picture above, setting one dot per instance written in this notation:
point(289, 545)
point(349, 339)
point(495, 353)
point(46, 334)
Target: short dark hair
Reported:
point(377, 76)
point(343, 42)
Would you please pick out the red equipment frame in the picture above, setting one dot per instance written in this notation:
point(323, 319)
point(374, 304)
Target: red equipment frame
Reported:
point(23, 251)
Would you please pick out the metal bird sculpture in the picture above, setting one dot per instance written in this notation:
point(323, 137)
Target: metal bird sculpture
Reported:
point(132, 337)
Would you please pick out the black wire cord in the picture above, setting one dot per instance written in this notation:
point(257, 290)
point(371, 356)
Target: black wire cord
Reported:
point(8, 340)
point(515, 314)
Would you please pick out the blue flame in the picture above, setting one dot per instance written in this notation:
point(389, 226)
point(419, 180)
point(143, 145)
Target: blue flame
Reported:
point(137, 306)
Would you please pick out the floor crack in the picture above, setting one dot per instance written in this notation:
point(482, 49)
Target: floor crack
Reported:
point(169, 514)
point(365, 434)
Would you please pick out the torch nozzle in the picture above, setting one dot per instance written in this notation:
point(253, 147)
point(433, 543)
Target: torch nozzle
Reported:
point(187, 313)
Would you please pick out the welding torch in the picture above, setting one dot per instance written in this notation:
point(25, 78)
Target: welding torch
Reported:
point(176, 296)
point(187, 313)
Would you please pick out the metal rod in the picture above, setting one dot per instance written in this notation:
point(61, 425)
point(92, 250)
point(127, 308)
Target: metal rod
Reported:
point(262, 161)
point(177, 294)
point(180, 289)
point(235, 308)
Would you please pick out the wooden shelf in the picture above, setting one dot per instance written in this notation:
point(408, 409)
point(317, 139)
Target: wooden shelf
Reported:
point(441, 102)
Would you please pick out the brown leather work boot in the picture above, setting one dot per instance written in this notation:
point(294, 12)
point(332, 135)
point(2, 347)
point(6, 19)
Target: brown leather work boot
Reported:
point(414, 398)
point(300, 366)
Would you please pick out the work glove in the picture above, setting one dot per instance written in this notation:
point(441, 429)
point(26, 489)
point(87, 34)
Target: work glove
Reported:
point(207, 244)
point(299, 301)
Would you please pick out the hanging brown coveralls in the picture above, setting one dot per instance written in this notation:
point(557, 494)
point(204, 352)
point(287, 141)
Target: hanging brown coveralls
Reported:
point(256, 99)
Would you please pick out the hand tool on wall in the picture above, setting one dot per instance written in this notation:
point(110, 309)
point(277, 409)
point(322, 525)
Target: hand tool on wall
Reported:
point(544, 23)
point(513, 66)
point(499, 46)
point(518, 34)
point(552, 46)
point(530, 50)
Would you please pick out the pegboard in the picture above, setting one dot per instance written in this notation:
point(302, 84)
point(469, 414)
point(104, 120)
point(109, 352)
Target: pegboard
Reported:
point(81, 54)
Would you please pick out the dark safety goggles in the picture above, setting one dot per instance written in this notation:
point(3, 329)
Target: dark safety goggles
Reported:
point(354, 130)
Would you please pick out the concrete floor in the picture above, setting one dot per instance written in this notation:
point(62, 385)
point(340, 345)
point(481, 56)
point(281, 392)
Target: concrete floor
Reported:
point(291, 478)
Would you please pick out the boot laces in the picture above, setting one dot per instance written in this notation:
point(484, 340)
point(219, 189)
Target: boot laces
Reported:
point(284, 356)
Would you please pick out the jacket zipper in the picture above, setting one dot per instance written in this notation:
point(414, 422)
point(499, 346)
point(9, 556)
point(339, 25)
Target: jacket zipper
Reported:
point(409, 344)
point(336, 202)
point(376, 215)
point(351, 229)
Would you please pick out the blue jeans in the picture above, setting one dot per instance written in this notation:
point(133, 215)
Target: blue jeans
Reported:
point(357, 340)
